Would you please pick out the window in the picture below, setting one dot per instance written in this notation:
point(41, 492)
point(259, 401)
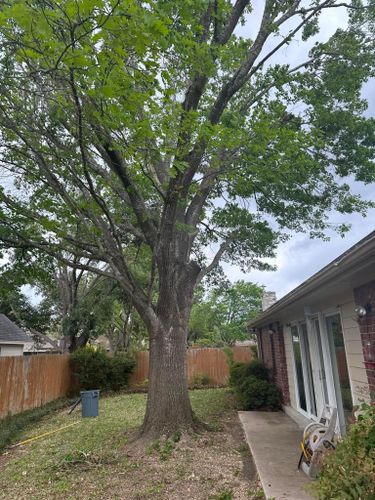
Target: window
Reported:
point(303, 369)
point(298, 365)
point(340, 368)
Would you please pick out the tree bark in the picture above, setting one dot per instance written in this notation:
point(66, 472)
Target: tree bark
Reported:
point(168, 405)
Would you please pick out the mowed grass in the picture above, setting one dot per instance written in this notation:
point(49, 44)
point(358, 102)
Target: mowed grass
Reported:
point(82, 461)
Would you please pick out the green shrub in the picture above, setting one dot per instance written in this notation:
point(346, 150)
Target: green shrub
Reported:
point(349, 471)
point(252, 386)
point(201, 380)
point(121, 367)
point(238, 372)
point(254, 394)
point(93, 369)
point(254, 351)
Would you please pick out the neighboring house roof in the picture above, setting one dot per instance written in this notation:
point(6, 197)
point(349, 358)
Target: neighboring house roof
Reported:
point(11, 333)
point(344, 262)
point(32, 346)
point(244, 343)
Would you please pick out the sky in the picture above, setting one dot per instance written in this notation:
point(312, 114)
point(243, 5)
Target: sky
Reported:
point(301, 257)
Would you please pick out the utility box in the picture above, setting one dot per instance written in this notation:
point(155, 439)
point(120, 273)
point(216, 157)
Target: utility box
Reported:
point(90, 403)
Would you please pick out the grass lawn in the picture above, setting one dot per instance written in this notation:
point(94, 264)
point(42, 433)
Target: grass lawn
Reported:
point(90, 459)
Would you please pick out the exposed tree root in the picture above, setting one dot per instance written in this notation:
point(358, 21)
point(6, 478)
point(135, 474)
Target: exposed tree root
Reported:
point(140, 440)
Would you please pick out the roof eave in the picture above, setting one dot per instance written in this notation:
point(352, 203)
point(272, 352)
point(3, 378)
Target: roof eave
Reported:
point(12, 342)
point(328, 272)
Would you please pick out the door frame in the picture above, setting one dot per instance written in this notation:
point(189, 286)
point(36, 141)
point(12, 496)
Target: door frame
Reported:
point(306, 376)
point(329, 366)
point(333, 369)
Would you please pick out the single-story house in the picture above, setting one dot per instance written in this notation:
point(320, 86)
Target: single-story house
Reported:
point(12, 338)
point(319, 340)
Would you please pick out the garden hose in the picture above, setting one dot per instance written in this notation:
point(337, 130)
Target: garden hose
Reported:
point(27, 441)
point(306, 451)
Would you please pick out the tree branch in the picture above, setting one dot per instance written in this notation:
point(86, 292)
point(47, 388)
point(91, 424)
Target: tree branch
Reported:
point(142, 214)
point(239, 78)
point(287, 38)
point(237, 11)
point(223, 248)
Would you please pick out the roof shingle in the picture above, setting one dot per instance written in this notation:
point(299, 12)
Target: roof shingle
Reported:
point(9, 332)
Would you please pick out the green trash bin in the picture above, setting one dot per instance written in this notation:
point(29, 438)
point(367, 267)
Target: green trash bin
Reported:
point(90, 403)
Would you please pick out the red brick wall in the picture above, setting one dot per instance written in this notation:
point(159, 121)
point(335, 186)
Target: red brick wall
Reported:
point(271, 349)
point(365, 296)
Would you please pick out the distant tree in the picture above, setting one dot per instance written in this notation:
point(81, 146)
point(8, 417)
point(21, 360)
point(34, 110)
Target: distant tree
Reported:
point(38, 319)
point(125, 329)
point(73, 306)
point(221, 318)
point(128, 124)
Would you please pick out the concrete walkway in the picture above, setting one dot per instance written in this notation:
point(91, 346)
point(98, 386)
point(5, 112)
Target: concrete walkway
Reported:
point(273, 439)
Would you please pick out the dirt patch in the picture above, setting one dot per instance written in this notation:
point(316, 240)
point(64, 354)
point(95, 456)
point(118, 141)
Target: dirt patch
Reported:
point(212, 465)
point(11, 454)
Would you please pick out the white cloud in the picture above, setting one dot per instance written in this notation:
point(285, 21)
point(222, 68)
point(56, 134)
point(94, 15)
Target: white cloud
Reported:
point(301, 257)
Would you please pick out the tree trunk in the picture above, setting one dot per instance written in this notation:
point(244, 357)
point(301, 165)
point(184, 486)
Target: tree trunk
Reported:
point(168, 405)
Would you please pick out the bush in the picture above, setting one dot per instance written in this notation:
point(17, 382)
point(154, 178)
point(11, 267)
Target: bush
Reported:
point(238, 372)
point(255, 394)
point(349, 471)
point(252, 386)
point(201, 380)
point(90, 367)
point(254, 351)
point(93, 369)
point(121, 367)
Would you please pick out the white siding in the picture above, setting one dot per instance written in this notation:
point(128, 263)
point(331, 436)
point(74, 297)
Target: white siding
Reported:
point(354, 353)
point(11, 349)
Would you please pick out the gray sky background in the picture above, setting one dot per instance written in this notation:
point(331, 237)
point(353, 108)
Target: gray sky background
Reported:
point(300, 257)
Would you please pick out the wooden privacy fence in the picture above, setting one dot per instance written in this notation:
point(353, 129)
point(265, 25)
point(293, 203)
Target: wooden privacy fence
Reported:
point(212, 362)
point(31, 381)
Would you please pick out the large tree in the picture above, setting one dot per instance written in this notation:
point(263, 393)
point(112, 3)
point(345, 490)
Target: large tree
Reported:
point(155, 125)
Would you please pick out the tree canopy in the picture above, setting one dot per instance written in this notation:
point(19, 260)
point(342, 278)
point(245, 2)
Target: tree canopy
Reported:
point(220, 318)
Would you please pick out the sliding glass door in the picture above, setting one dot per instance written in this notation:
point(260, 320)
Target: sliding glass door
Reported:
point(306, 397)
point(322, 375)
point(340, 369)
point(320, 367)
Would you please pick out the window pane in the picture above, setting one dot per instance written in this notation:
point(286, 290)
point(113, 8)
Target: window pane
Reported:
point(323, 372)
point(299, 371)
point(335, 330)
point(309, 374)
